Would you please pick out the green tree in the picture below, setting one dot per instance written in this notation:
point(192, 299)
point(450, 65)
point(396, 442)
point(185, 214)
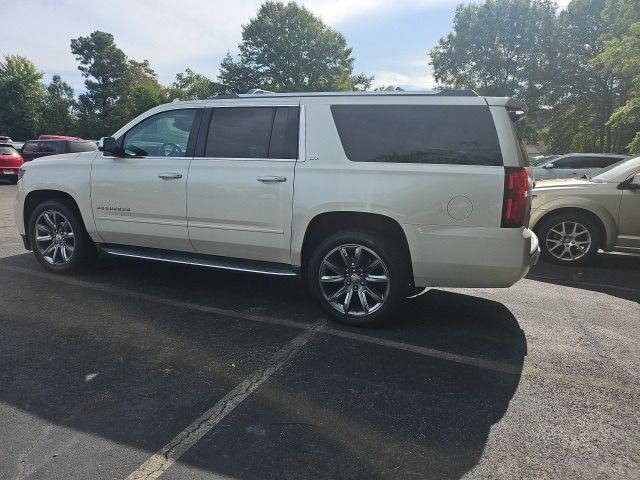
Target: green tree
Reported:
point(104, 67)
point(58, 108)
point(499, 47)
point(620, 59)
point(582, 97)
point(140, 91)
point(287, 48)
point(193, 86)
point(21, 97)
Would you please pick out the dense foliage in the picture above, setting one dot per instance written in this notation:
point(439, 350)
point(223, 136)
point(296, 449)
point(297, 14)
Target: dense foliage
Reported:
point(285, 47)
point(578, 70)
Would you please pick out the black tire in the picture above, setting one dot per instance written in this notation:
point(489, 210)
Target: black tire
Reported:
point(84, 250)
point(374, 245)
point(13, 180)
point(551, 242)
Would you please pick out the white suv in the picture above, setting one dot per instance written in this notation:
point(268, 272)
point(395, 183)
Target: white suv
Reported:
point(368, 196)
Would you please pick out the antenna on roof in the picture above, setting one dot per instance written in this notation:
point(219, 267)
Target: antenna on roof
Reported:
point(257, 91)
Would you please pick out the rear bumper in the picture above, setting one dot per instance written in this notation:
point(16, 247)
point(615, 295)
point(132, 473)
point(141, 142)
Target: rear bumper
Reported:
point(535, 249)
point(470, 257)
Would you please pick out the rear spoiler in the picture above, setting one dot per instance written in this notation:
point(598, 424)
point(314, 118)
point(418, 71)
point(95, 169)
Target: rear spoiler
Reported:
point(517, 109)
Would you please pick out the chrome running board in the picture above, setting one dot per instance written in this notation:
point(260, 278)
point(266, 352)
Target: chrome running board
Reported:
point(209, 261)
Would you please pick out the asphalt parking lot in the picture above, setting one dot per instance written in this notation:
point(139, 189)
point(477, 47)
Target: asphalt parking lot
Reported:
point(142, 370)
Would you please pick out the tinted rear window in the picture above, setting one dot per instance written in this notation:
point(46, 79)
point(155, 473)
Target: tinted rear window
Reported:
point(567, 162)
point(284, 137)
point(450, 134)
point(603, 162)
point(253, 132)
point(240, 132)
point(30, 147)
point(48, 147)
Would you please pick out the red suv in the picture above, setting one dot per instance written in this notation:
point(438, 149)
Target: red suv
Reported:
point(10, 162)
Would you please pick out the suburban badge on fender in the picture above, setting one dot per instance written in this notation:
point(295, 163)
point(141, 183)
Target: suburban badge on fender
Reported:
point(113, 209)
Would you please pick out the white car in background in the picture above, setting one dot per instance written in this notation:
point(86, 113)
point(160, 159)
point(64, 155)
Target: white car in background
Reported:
point(573, 218)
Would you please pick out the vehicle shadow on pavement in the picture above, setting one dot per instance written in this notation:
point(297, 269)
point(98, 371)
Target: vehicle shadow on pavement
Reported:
point(611, 273)
point(349, 410)
point(130, 371)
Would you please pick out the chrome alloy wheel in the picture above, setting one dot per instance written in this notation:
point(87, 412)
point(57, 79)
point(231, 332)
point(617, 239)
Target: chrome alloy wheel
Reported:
point(568, 240)
point(54, 238)
point(354, 280)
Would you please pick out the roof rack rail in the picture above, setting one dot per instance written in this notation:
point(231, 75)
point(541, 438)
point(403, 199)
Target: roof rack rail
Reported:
point(457, 93)
point(226, 95)
point(257, 91)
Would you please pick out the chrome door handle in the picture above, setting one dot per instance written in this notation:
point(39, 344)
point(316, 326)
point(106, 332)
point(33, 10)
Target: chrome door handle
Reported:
point(272, 179)
point(169, 176)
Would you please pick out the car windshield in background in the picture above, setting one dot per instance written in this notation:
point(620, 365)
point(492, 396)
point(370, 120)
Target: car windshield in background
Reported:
point(612, 172)
point(5, 149)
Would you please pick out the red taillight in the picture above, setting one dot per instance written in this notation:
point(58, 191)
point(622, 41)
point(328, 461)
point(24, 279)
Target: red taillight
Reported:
point(516, 197)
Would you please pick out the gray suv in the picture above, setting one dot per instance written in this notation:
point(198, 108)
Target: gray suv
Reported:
point(575, 165)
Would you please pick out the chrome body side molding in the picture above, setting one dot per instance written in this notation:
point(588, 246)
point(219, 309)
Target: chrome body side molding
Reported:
point(221, 263)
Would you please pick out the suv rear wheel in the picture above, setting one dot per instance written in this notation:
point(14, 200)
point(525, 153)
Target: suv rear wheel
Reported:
point(59, 239)
point(357, 277)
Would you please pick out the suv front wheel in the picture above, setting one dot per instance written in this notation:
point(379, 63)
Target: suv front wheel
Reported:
point(58, 238)
point(357, 277)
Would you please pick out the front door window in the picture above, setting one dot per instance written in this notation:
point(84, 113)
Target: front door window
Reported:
point(163, 135)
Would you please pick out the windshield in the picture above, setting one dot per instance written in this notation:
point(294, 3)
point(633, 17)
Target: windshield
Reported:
point(4, 149)
point(613, 172)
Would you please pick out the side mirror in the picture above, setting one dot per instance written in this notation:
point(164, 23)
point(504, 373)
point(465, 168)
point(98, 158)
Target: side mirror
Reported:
point(547, 166)
point(109, 145)
point(632, 183)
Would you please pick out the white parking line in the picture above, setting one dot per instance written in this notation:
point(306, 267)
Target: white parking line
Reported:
point(172, 451)
point(425, 351)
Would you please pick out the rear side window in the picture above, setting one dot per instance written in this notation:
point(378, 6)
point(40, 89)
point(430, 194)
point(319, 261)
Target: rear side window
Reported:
point(30, 147)
point(47, 147)
point(240, 133)
point(591, 162)
point(603, 162)
point(253, 132)
point(449, 134)
point(568, 162)
point(284, 137)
